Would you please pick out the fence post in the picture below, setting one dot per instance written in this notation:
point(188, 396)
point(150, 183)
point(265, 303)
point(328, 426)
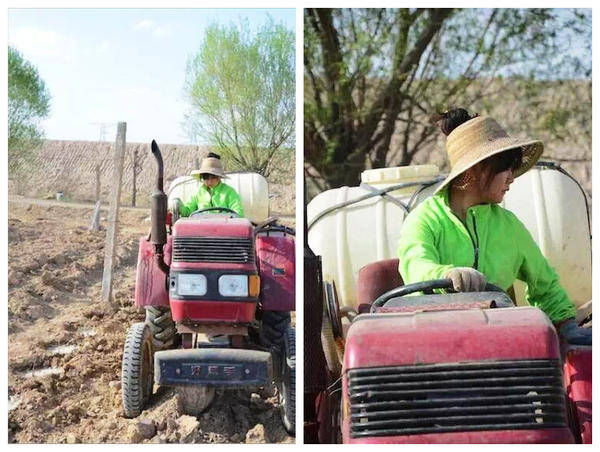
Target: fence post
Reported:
point(95, 225)
point(113, 218)
point(135, 156)
point(97, 183)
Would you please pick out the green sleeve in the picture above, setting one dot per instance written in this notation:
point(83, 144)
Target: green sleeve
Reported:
point(543, 288)
point(234, 202)
point(417, 252)
point(191, 206)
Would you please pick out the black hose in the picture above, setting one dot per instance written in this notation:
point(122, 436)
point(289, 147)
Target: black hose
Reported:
point(277, 228)
point(557, 167)
point(380, 192)
point(159, 257)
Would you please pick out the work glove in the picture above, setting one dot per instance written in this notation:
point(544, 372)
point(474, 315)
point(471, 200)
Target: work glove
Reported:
point(572, 334)
point(465, 279)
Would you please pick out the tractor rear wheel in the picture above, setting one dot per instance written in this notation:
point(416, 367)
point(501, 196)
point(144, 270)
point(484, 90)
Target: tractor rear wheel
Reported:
point(137, 371)
point(274, 325)
point(287, 387)
point(160, 322)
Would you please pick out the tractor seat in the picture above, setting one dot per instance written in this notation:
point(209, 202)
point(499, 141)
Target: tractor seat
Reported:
point(375, 279)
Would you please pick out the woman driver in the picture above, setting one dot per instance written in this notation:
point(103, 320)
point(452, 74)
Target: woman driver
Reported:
point(461, 232)
point(212, 192)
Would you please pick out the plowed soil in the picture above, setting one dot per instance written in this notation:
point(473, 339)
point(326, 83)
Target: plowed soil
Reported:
point(65, 348)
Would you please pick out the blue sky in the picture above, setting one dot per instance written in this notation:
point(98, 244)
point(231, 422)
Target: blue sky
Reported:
point(110, 65)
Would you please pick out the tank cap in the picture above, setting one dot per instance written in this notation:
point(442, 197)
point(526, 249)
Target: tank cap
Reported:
point(397, 174)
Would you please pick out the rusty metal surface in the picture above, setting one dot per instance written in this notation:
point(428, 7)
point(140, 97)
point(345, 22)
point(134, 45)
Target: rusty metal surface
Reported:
point(212, 329)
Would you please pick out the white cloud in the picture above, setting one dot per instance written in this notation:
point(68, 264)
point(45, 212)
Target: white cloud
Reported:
point(103, 47)
point(143, 25)
point(153, 27)
point(38, 43)
point(162, 30)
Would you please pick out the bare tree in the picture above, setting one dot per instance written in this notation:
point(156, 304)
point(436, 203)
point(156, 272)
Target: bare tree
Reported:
point(374, 77)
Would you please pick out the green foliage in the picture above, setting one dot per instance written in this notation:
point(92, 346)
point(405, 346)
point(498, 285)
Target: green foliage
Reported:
point(28, 103)
point(375, 77)
point(241, 87)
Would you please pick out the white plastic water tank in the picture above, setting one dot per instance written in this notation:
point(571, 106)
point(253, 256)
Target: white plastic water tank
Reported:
point(549, 203)
point(353, 236)
point(552, 207)
point(252, 187)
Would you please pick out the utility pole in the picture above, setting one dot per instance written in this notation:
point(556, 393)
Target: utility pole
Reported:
point(103, 127)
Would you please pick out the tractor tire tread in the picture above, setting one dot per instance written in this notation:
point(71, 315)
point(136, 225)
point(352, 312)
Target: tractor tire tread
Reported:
point(160, 322)
point(288, 386)
point(131, 370)
point(274, 324)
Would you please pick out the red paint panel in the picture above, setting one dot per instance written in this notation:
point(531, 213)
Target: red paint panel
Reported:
point(276, 263)
point(450, 336)
point(546, 436)
point(578, 381)
point(212, 311)
point(436, 307)
point(213, 266)
point(150, 280)
point(213, 227)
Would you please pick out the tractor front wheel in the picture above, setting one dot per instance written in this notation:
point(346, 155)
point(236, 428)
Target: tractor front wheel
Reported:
point(274, 325)
point(137, 371)
point(194, 399)
point(160, 322)
point(287, 387)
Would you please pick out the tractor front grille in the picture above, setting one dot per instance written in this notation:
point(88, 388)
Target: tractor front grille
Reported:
point(438, 398)
point(213, 249)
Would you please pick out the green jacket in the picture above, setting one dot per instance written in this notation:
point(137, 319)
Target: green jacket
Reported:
point(222, 195)
point(493, 241)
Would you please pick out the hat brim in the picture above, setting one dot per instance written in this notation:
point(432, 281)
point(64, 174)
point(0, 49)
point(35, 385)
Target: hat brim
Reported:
point(532, 151)
point(198, 174)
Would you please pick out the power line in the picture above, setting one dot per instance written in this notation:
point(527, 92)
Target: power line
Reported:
point(103, 126)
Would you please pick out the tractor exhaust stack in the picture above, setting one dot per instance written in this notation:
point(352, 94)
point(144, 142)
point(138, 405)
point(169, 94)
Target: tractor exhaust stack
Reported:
point(158, 213)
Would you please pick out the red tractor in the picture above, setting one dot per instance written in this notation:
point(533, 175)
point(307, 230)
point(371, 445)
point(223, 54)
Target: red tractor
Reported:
point(218, 291)
point(383, 367)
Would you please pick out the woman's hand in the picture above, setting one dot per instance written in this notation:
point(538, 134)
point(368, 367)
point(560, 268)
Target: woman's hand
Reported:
point(465, 279)
point(572, 334)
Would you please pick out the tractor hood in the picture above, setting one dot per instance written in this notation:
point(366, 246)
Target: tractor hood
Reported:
point(213, 226)
point(215, 242)
point(449, 336)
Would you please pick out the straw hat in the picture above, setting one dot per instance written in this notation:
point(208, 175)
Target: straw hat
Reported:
point(210, 165)
point(480, 138)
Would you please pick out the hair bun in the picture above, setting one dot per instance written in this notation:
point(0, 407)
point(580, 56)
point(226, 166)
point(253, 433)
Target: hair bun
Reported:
point(451, 119)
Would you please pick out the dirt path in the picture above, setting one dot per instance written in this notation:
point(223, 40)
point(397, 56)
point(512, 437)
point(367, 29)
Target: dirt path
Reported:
point(287, 218)
point(64, 351)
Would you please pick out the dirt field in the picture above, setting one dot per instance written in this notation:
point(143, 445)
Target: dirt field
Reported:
point(64, 351)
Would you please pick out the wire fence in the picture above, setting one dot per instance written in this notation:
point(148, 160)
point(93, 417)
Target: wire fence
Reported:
point(71, 167)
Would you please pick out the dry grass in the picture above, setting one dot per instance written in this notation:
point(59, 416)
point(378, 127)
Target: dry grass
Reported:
point(70, 167)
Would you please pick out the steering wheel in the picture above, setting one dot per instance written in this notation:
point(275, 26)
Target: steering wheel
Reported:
point(425, 286)
point(214, 209)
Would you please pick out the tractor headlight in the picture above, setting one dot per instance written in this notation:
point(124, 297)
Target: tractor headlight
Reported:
point(191, 284)
point(233, 285)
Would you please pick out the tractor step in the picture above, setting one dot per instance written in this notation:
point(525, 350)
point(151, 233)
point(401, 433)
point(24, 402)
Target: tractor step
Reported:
point(213, 367)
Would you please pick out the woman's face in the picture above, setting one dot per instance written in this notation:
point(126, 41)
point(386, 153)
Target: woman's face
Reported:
point(210, 180)
point(494, 192)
